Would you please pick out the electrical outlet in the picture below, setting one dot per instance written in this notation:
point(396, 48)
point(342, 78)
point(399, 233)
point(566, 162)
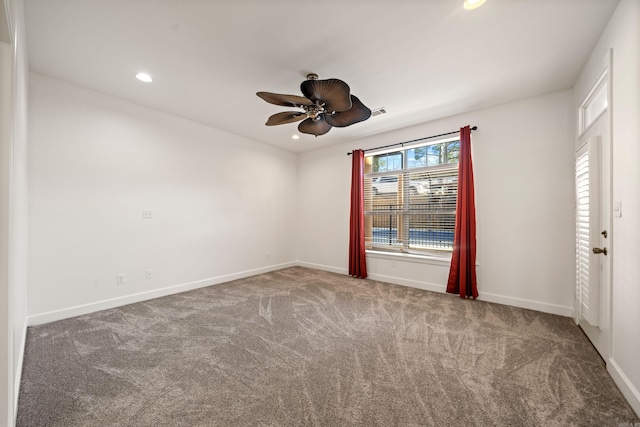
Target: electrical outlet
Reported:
point(146, 213)
point(267, 255)
point(120, 279)
point(393, 263)
point(148, 274)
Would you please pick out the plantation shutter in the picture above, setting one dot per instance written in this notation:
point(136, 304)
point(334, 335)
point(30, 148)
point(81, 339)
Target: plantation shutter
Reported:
point(587, 223)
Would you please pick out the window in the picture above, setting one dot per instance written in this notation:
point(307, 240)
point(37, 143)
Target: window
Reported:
point(410, 197)
point(594, 104)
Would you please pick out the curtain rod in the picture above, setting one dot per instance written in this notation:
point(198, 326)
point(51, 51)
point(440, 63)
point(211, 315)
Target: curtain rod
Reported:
point(413, 140)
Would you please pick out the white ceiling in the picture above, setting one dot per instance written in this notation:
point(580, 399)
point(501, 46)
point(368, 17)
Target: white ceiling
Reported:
point(420, 59)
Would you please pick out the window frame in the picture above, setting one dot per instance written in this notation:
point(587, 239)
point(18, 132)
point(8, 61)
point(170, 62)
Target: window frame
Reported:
point(585, 117)
point(404, 248)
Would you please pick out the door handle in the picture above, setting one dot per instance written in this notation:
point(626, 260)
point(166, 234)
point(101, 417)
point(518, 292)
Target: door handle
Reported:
point(600, 251)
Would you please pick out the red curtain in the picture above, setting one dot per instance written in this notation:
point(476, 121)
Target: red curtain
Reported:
point(462, 274)
point(357, 258)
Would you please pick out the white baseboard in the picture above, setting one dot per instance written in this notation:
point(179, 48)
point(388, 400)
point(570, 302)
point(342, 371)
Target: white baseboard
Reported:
point(52, 316)
point(625, 385)
point(435, 287)
point(323, 267)
point(379, 277)
point(65, 313)
point(544, 307)
point(425, 286)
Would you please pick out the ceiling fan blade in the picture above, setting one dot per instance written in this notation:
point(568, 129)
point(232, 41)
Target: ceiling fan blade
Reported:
point(284, 100)
point(333, 93)
point(285, 117)
point(358, 113)
point(313, 127)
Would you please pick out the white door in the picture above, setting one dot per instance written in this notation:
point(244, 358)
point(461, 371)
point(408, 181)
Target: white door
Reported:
point(593, 220)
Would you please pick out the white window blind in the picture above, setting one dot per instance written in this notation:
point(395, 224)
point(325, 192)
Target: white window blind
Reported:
point(410, 197)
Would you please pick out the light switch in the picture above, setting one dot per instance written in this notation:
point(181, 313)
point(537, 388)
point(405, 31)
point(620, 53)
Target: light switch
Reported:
point(617, 209)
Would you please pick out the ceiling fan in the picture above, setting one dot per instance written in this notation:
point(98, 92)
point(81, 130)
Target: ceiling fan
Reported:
point(326, 103)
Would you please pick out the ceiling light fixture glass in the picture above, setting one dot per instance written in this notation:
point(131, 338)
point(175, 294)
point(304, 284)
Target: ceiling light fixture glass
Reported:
point(295, 137)
point(144, 77)
point(473, 4)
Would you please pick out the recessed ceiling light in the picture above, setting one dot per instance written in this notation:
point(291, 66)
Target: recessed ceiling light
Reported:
point(473, 4)
point(144, 77)
point(295, 137)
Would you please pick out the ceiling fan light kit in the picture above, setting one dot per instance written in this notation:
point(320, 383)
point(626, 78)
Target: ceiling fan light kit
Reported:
point(326, 103)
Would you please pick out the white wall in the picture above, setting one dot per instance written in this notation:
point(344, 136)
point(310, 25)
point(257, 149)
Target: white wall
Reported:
point(13, 209)
point(523, 165)
point(6, 341)
point(220, 202)
point(622, 34)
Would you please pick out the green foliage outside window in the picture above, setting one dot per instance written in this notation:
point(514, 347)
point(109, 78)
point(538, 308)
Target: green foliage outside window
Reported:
point(387, 162)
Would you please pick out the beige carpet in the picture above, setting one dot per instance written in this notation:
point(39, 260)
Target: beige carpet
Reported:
point(305, 347)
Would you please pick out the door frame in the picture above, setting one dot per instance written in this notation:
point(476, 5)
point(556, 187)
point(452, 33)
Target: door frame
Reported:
point(602, 335)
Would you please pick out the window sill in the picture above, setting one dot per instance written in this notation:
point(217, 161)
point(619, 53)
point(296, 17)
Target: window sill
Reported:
point(444, 260)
